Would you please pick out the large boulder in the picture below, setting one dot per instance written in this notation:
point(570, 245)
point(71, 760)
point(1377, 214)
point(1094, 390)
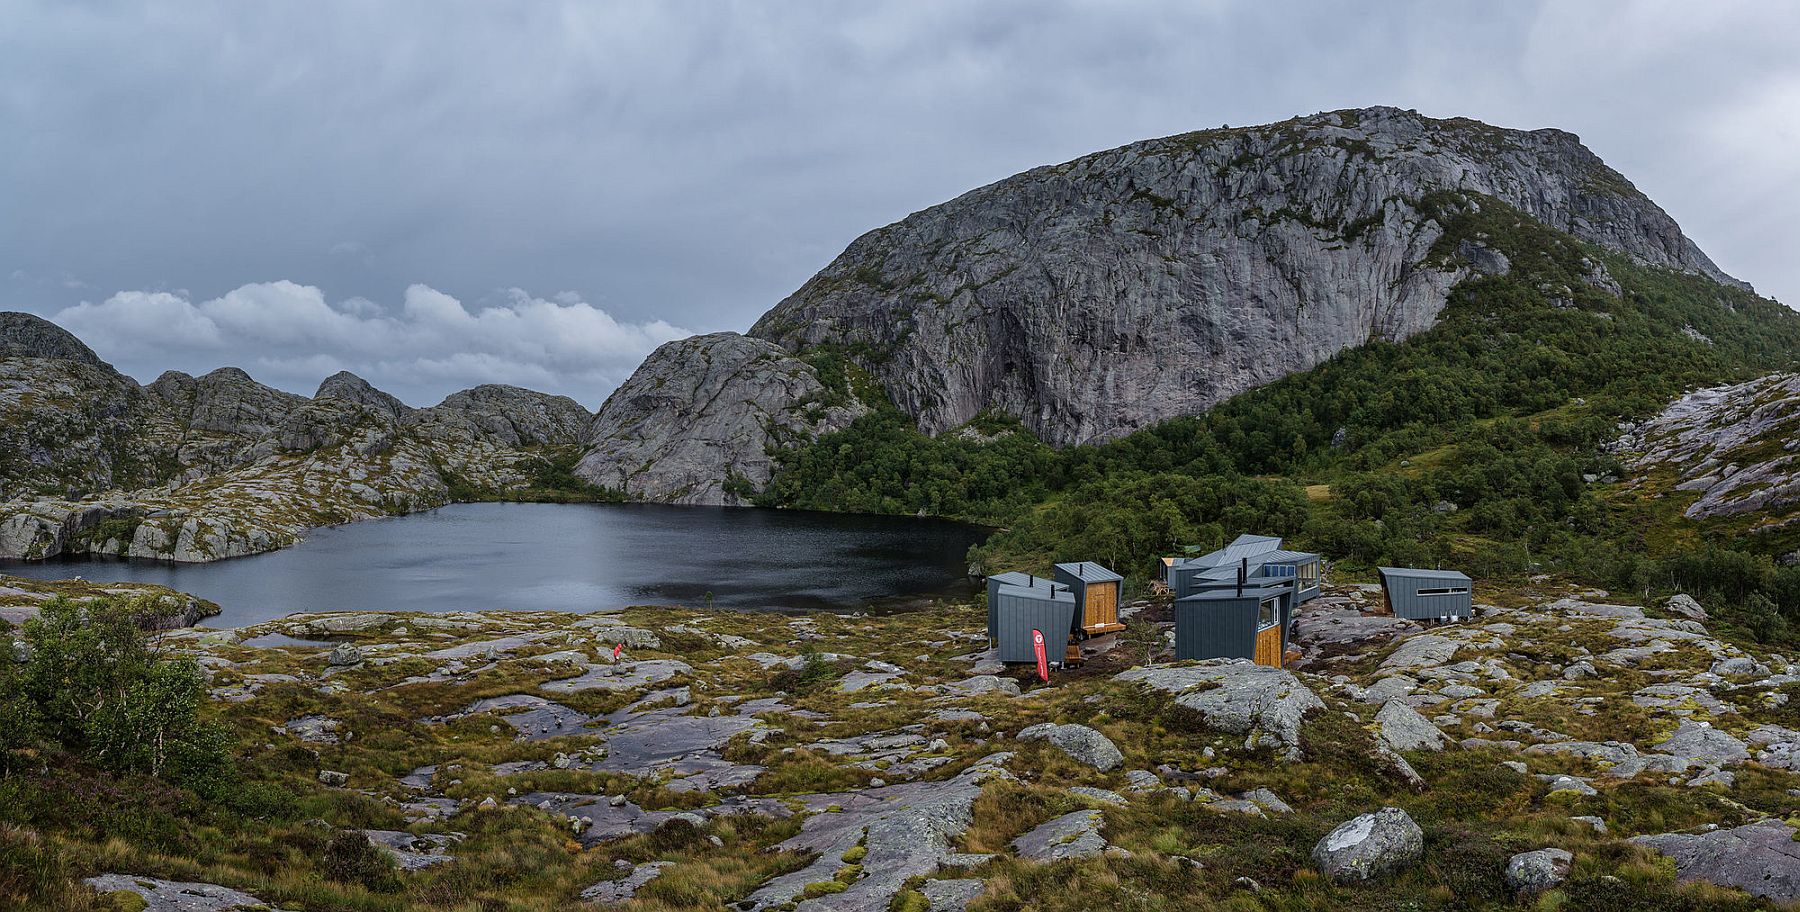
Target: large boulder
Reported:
point(1403, 728)
point(1264, 703)
point(1761, 858)
point(1084, 744)
point(1370, 846)
point(1074, 835)
point(1535, 872)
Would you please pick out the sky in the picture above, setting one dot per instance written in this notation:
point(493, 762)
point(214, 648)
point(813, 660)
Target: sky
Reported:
point(437, 194)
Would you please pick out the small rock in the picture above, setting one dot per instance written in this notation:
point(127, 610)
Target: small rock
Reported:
point(345, 654)
point(334, 778)
point(1404, 729)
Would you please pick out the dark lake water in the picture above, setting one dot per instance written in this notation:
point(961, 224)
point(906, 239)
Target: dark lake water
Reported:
point(569, 557)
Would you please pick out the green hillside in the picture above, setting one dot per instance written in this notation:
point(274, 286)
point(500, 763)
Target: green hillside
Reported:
point(1479, 443)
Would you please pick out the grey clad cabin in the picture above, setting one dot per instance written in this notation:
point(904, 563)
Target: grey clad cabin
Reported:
point(1261, 558)
point(1236, 622)
point(1427, 595)
point(993, 593)
point(1096, 591)
point(1017, 610)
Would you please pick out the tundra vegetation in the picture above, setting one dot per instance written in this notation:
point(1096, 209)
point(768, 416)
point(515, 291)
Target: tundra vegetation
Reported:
point(504, 761)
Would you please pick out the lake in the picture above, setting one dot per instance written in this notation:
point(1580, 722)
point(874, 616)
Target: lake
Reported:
point(569, 557)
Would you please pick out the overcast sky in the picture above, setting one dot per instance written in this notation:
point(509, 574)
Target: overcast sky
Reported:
point(438, 194)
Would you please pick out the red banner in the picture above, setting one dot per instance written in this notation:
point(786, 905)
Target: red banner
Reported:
point(1037, 643)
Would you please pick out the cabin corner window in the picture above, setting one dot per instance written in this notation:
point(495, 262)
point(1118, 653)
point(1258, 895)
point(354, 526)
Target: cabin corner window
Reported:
point(1444, 590)
point(1268, 614)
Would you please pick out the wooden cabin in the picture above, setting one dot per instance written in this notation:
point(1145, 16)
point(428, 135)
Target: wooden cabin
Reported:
point(1044, 606)
point(1096, 591)
point(1247, 622)
point(1427, 595)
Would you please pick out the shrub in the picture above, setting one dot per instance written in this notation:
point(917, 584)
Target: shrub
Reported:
point(103, 690)
point(350, 858)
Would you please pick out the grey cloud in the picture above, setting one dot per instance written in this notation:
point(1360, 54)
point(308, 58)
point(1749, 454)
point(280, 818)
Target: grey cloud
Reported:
point(694, 162)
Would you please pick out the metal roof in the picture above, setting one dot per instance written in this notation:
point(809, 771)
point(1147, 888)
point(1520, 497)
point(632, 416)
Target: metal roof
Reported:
point(1284, 556)
point(1089, 572)
point(1417, 573)
point(1231, 592)
point(1052, 592)
point(1013, 578)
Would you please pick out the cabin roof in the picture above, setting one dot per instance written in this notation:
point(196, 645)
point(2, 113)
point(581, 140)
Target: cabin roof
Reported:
point(1055, 592)
point(1418, 573)
point(1284, 556)
point(1230, 593)
point(1089, 572)
point(1012, 578)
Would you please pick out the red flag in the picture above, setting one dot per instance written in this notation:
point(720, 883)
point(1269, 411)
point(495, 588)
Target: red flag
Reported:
point(1037, 643)
point(617, 648)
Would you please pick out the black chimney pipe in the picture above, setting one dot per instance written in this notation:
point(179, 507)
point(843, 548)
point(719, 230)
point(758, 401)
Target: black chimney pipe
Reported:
point(1243, 571)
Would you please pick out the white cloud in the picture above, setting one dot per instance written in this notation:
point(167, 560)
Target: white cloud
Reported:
point(290, 336)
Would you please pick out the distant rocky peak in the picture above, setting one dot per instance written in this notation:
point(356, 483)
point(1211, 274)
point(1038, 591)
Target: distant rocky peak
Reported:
point(348, 387)
point(24, 335)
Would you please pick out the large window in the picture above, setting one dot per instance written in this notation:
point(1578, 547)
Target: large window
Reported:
point(1268, 614)
point(1446, 590)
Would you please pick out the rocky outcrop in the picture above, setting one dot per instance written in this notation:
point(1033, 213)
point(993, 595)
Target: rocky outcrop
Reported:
point(351, 388)
point(24, 335)
point(1099, 296)
point(1235, 695)
point(513, 416)
point(1761, 858)
point(202, 468)
point(703, 413)
point(1732, 445)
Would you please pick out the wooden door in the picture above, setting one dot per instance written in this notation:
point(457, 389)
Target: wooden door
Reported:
point(1268, 646)
point(1102, 608)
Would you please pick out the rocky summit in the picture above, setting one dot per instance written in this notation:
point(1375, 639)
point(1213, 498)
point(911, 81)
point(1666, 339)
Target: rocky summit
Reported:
point(1100, 296)
point(201, 468)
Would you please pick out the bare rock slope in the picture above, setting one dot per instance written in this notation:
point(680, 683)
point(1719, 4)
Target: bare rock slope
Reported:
point(1733, 445)
point(1100, 296)
point(703, 412)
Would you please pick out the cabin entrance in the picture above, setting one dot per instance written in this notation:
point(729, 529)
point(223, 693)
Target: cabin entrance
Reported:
point(1101, 612)
point(1268, 647)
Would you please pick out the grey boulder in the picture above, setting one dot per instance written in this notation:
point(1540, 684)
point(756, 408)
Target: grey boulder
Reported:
point(1535, 872)
point(1370, 846)
point(1404, 729)
point(1084, 744)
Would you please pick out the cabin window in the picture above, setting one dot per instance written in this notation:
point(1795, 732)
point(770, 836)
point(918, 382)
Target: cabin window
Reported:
point(1447, 590)
point(1281, 570)
point(1309, 572)
point(1268, 614)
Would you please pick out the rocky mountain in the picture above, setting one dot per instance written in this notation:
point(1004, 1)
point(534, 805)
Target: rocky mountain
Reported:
point(701, 413)
point(199, 468)
point(1100, 296)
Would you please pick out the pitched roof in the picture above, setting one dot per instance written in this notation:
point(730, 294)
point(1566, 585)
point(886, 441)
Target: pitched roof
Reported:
point(1418, 573)
point(1089, 572)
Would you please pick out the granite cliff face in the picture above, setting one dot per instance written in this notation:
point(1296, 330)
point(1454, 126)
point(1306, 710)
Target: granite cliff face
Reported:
point(696, 421)
point(201, 468)
point(1096, 297)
